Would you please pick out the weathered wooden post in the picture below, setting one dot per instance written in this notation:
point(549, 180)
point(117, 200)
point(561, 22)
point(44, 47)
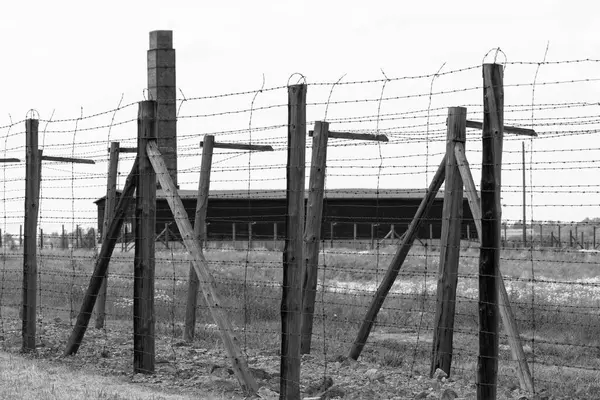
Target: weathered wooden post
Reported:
point(108, 246)
point(145, 225)
point(41, 238)
point(293, 255)
point(109, 212)
point(312, 232)
point(32, 186)
point(331, 225)
point(559, 237)
point(233, 234)
point(492, 136)
point(200, 223)
point(200, 232)
point(372, 236)
point(396, 263)
point(443, 333)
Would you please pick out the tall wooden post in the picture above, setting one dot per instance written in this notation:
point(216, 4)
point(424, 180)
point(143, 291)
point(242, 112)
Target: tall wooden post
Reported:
point(145, 220)
point(489, 259)
point(312, 233)
point(441, 355)
point(109, 212)
point(594, 240)
point(293, 255)
point(559, 237)
point(274, 231)
point(200, 232)
point(32, 185)
point(355, 236)
point(41, 238)
point(20, 235)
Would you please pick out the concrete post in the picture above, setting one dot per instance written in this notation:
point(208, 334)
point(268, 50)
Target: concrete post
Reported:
point(162, 88)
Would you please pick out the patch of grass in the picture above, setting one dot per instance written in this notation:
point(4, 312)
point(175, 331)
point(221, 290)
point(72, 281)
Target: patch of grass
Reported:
point(22, 378)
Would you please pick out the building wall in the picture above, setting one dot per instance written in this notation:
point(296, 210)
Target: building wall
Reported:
point(367, 214)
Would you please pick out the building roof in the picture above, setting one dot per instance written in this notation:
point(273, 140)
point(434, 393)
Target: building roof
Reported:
point(352, 193)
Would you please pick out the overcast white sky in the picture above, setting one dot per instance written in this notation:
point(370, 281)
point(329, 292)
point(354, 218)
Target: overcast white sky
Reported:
point(69, 55)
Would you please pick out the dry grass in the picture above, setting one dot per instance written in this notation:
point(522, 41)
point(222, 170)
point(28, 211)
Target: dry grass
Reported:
point(22, 378)
point(556, 313)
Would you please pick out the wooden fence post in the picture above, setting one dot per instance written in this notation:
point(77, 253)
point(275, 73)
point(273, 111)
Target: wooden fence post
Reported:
point(396, 263)
point(145, 221)
point(200, 232)
point(32, 185)
point(443, 333)
point(331, 225)
point(559, 237)
point(372, 236)
point(233, 234)
point(41, 238)
point(293, 255)
point(207, 282)
point(108, 246)
point(491, 211)
point(250, 234)
point(508, 318)
point(312, 233)
point(274, 231)
point(109, 212)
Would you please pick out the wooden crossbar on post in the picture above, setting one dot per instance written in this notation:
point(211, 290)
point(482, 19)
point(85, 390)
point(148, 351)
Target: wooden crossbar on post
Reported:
point(9, 160)
point(397, 261)
point(443, 333)
point(102, 261)
point(507, 129)
point(239, 146)
point(207, 282)
point(489, 258)
point(109, 208)
point(506, 313)
point(68, 160)
point(200, 220)
point(355, 136)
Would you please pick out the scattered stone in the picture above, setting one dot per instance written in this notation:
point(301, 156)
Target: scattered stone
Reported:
point(448, 394)
point(332, 393)
point(374, 375)
point(105, 353)
point(169, 369)
point(220, 371)
point(320, 386)
point(259, 373)
point(422, 395)
point(436, 385)
point(267, 394)
point(439, 374)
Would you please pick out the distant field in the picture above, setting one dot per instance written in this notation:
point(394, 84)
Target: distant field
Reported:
point(555, 296)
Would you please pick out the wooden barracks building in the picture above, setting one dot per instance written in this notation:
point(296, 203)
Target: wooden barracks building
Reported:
point(345, 211)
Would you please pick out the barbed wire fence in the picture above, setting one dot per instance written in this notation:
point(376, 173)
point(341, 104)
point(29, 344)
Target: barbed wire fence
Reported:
point(371, 194)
